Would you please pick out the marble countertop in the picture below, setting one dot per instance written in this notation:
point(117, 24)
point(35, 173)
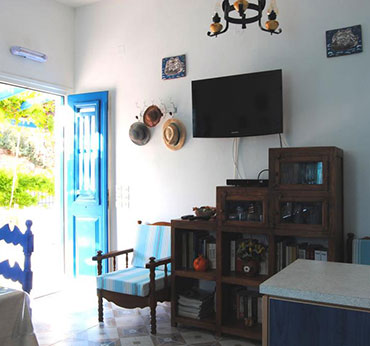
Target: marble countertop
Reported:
point(325, 282)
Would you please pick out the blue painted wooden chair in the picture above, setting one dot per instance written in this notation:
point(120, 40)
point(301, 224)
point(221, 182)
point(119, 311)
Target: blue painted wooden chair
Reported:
point(144, 283)
point(15, 273)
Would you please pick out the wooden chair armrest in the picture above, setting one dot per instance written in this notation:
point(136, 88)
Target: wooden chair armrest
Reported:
point(100, 255)
point(151, 265)
point(157, 263)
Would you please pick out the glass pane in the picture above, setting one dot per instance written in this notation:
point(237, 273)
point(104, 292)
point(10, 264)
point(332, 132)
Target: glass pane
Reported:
point(301, 212)
point(88, 150)
point(244, 211)
point(94, 155)
point(80, 154)
point(87, 153)
point(87, 109)
point(301, 173)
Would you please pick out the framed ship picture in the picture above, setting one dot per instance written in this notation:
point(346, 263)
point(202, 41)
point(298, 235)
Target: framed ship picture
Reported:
point(344, 41)
point(174, 67)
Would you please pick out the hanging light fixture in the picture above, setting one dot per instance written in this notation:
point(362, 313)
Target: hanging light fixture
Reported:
point(242, 7)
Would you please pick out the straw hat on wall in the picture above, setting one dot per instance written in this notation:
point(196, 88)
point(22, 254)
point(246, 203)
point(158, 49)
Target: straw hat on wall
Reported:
point(174, 134)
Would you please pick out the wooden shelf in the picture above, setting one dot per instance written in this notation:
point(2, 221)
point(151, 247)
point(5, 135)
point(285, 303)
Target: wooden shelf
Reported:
point(303, 233)
point(245, 229)
point(235, 278)
point(206, 323)
point(238, 328)
point(209, 275)
point(195, 225)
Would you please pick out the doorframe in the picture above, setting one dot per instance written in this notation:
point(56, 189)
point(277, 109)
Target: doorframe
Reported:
point(62, 90)
point(34, 84)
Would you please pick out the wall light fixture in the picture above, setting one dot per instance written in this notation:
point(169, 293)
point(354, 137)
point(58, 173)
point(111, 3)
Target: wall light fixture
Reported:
point(28, 54)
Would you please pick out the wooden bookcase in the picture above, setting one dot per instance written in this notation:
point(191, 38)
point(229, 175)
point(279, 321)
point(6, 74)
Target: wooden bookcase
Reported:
point(184, 277)
point(304, 200)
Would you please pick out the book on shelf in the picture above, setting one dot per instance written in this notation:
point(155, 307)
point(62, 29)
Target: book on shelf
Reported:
point(195, 243)
point(321, 255)
point(240, 303)
point(197, 316)
point(246, 306)
point(287, 251)
point(195, 303)
point(196, 295)
point(361, 251)
point(301, 252)
point(259, 309)
point(184, 250)
point(191, 249)
point(211, 255)
point(324, 255)
point(264, 264)
point(232, 255)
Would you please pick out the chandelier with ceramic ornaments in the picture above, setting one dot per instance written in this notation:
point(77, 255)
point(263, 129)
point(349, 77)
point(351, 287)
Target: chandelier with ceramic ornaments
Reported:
point(243, 8)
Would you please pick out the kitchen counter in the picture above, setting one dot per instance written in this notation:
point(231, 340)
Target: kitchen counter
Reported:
point(317, 303)
point(325, 282)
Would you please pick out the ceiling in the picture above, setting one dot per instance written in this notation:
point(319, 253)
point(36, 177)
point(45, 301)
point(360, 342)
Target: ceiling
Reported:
point(77, 3)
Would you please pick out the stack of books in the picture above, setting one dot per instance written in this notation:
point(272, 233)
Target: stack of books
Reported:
point(195, 303)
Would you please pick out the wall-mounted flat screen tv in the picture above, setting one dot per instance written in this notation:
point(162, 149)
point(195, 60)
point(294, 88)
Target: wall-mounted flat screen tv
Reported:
point(238, 106)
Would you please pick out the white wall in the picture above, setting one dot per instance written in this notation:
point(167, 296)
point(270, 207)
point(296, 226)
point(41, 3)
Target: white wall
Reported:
point(119, 47)
point(40, 25)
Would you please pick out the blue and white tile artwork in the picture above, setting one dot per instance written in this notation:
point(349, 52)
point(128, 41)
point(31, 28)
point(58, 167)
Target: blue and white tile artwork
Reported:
point(174, 67)
point(344, 41)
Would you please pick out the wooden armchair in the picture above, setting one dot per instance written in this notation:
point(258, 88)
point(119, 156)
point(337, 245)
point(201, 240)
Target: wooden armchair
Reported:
point(15, 273)
point(144, 283)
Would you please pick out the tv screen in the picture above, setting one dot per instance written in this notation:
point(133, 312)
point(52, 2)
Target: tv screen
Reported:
point(238, 106)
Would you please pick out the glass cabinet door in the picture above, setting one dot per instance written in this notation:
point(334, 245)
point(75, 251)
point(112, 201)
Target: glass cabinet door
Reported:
point(303, 173)
point(301, 213)
point(244, 210)
point(239, 206)
point(299, 174)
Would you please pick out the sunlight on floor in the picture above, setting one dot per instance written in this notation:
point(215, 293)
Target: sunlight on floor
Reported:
point(70, 318)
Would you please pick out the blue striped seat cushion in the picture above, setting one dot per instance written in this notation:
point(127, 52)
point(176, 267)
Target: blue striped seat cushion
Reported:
point(134, 281)
point(152, 241)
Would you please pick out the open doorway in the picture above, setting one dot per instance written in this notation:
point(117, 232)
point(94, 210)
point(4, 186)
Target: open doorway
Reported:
point(31, 180)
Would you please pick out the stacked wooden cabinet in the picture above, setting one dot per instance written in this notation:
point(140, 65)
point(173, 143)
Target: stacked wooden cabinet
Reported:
point(299, 214)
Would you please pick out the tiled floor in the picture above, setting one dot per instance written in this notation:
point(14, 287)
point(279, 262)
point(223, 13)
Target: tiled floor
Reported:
point(70, 318)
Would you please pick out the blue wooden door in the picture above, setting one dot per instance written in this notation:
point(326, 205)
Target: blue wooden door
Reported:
point(87, 187)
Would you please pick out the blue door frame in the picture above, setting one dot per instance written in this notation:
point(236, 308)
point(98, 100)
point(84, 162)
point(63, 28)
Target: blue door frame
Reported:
point(87, 182)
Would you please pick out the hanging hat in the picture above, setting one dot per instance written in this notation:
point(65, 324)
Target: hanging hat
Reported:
point(139, 133)
point(152, 116)
point(174, 134)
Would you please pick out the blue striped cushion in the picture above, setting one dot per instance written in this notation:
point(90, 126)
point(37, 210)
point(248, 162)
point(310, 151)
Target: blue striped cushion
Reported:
point(151, 241)
point(134, 281)
point(164, 245)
